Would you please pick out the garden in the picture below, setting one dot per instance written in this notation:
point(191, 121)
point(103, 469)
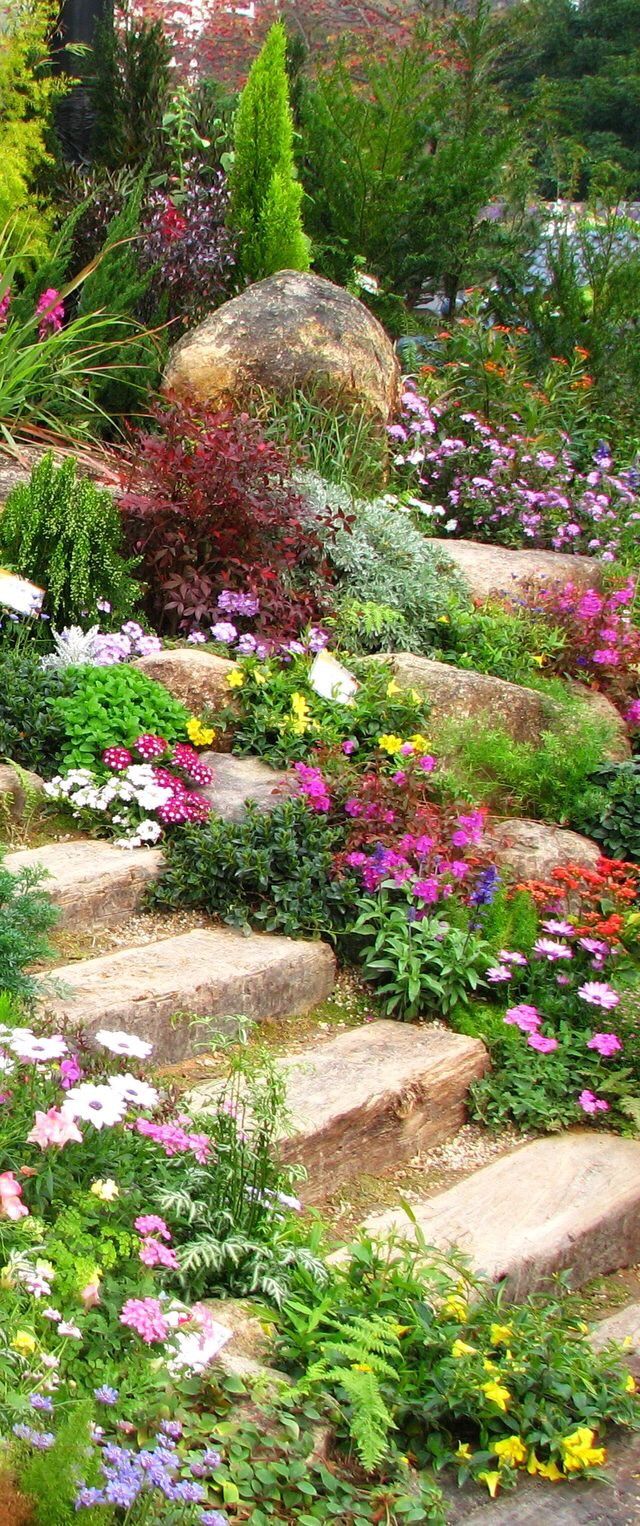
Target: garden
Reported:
point(319, 764)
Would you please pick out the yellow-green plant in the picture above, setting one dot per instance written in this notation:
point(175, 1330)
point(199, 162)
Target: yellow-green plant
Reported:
point(28, 93)
point(265, 194)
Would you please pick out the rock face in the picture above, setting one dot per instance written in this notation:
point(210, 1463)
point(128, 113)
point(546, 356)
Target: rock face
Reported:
point(156, 989)
point(373, 1097)
point(16, 788)
point(92, 882)
point(492, 570)
point(196, 678)
point(533, 849)
point(237, 780)
point(292, 332)
point(618, 749)
point(454, 693)
point(566, 1203)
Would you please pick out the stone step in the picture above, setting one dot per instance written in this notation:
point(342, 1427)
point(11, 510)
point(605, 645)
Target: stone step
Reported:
point(567, 1203)
point(155, 990)
point(92, 883)
point(237, 780)
point(373, 1097)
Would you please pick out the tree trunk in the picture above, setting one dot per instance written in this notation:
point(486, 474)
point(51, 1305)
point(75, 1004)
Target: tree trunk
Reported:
point(78, 22)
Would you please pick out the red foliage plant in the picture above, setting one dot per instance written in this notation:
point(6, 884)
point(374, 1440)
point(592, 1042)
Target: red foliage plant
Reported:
point(206, 504)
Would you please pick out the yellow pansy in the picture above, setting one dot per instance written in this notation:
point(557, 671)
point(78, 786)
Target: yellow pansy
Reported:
point(511, 1450)
point(463, 1451)
point(492, 1481)
point(420, 743)
point(538, 658)
point(201, 736)
point(500, 1335)
point(630, 1385)
point(361, 1367)
point(490, 1366)
point(496, 1393)
point(390, 743)
point(24, 1342)
point(579, 1452)
point(392, 688)
point(455, 1307)
point(415, 696)
point(548, 1470)
point(460, 1348)
point(106, 1190)
point(235, 680)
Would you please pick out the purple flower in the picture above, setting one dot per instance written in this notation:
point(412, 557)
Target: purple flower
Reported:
point(606, 1044)
point(599, 994)
point(349, 746)
point(541, 1043)
point(497, 973)
point(40, 1401)
point(106, 1395)
point(224, 631)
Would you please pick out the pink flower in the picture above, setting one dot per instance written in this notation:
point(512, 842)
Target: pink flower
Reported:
point(507, 957)
point(90, 1294)
point(146, 1317)
point(70, 1072)
point(592, 1104)
point(117, 758)
point(54, 1128)
point(497, 973)
point(548, 948)
point(426, 890)
point(526, 1018)
point(154, 1253)
point(10, 1194)
point(559, 929)
point(152, 1224)
point(349, 746)
point(541, 1043)
point(150, 747)
point(427, 763)
point(606, 656)
point(605, 1043)
point(50, 310)
point(599, 994)
point(5, 303)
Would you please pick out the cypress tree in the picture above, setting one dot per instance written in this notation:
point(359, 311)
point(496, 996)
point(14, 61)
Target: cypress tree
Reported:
point(265, 194)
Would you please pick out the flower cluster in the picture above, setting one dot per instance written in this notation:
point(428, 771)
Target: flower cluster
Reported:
point(246, 606)
point(601, 643)
point(140, 799)
point(121, 646)
point(491, 483)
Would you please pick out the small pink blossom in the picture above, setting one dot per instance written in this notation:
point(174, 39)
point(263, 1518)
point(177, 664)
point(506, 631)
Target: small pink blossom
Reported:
point(605, 1043)
point(50, 310)
point(543, 1044)
point(592, 1104)
point(10, 1195)
point(154, 1253)
point(599, 994)
point(152, 1224)
point(146, 1317)
point(526, 1018)
point(54, 1128)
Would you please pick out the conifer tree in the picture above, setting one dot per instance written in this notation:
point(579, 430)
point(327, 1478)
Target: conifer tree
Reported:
point(265, 194)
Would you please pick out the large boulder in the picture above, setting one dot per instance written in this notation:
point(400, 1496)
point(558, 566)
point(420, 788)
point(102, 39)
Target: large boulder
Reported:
point(533, 849)
point(292, 332)
point(492, 570)
point(456, 693)
point(198, 679)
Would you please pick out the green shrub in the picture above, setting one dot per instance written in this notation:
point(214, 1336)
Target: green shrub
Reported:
point(63, 533)
point(271, 870)
point(433, 966)
point(130, 88)
point(265, 195)
point(31, 732)
point(493, 640)
point(524, 778)
point(28, 93)
point(26, 916)
point(118, 286)
point(609, 809)
point(51, 1479)
point(379, 558)
point(106, 707)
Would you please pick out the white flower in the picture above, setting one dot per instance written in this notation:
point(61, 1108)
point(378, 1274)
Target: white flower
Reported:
point(40, 1050)
point(196, 1351)
point(133, 1092)
point(96, 1104)
point(119, 1042)
point(67, 1328)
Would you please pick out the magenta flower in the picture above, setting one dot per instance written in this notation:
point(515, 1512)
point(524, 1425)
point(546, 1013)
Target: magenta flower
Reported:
point(549, 948)
point(5, 303)
point(349, 746)
point(150, 747)
point(525, 1017)
point(497, 973)
point(559, 929)
point(152, 1224)
point(50, 310)
point(543, 1044)
point(426, 890)
point(146, 1317)
point(599, 994)
point(606, 656)
point(592, 1104)
point(427, 763)
point(606, 1044)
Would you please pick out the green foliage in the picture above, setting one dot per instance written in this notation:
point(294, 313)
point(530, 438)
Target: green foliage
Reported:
point(524, 778)
point(31, 733)
point(28, 93)
point(63, 533)
point(265, 196)
point(51, 1480)
point(345, 446)
point(419, 968)
point(273, 871)
point(491, 639)
point(26, 916)
point(454, 1339)
point(106, 707)
point(609, 809)
point(118, 286)
point(380, 559)
point(278, 715)
point(129, 88)
point(357, 1359)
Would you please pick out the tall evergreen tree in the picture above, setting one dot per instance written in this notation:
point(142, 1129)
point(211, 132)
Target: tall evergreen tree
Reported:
point(265, 194)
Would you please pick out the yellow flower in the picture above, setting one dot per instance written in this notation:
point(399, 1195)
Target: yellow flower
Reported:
point(392, 688)
point(538, 658)
point(630, 1385)
point(105, 1190)
point(259, 678)
point(463, 1451)
point(443, 620)
point(390, 743)
point(361, 1367)
point(235, 680)
point(496, 1393)
point(200, 735)
point(511, 1450)
point(401, 1329)
point(460, 1348)
point(500, 1335)
point(415, 696)
point(492, 1481)
point(579, 1452)
point(420, 743)
point(455, 1307)
point(490, 1366)
point(24, 1342)
point(548, 1470)
point(300, 710)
